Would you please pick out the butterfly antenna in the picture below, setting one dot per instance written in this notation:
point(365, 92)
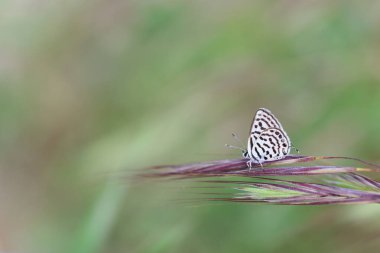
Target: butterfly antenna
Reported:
point(237, 139)
point(234, 147)
point(296, 149)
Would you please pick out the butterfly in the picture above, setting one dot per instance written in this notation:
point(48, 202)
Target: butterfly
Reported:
point(267, 140)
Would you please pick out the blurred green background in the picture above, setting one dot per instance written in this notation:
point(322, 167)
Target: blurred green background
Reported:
point(91, 91)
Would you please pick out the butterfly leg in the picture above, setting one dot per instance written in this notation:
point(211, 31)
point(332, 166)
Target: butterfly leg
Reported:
point(249, 165)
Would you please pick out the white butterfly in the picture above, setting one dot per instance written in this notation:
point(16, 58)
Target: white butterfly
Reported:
point(267, 141)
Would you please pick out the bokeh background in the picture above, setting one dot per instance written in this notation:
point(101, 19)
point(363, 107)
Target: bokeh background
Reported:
point(91, 91)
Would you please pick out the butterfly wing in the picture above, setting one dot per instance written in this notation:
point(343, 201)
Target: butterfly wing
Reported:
point(272, 144)
point(264, 119)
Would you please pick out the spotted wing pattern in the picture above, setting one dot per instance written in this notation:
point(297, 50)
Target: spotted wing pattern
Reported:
point(267, 141)
point(272, 144)
point(263, 119)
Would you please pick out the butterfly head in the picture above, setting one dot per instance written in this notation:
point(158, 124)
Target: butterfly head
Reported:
point(245, 153)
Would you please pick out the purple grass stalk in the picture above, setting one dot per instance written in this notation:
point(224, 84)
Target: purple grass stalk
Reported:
point(343, 186)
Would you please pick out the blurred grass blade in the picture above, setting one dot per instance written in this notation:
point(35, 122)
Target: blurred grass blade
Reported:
point(358, 189)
